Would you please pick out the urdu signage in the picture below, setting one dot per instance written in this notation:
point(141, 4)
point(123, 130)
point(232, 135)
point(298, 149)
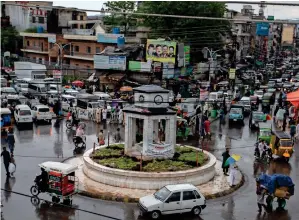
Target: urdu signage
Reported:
point(110, 62)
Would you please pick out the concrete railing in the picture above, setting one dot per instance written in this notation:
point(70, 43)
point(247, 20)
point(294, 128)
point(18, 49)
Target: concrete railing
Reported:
point(147, 180)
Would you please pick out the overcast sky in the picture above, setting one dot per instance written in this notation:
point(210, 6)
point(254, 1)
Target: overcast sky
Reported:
point(279, 12)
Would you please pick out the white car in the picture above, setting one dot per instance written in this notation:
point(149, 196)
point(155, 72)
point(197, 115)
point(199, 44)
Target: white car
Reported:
point(23, 116)
point(41, 113)
point(259, 94)
point(245, 101)
point(173, 199)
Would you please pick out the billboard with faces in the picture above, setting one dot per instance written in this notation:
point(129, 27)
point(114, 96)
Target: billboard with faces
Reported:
point(161, 51)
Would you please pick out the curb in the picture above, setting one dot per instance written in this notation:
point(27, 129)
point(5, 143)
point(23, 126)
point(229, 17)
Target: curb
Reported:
point(126, 199)
point(68, 158)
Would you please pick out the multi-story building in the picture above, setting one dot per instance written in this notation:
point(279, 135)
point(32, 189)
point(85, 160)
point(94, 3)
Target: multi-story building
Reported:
point(26, 14)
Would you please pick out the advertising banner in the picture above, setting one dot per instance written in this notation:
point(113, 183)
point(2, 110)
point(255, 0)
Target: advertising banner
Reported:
point(140, 66)
point(109, 62)
point(168, 70)
point(161, 51)
point(287, 35)
point(108, 38)
point(203, 95)
point(187, 55)
point(262, 29)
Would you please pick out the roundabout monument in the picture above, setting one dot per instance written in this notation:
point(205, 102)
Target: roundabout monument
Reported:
point(150, 147)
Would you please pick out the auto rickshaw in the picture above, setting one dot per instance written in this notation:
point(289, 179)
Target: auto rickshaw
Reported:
point(267, 100)
point(281, 145)
point(182, 124)
point(265, 132)
point(126, 93)
point(6, 121)
point(62, 182)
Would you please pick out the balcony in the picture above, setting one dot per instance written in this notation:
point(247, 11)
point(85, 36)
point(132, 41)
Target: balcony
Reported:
point(86, 32)
point(79, 37)
point(79, 56)
point(42, 35)
point(35, 49)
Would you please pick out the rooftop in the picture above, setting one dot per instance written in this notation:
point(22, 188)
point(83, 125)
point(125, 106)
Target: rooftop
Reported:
point(151, 89)
point(180, 187)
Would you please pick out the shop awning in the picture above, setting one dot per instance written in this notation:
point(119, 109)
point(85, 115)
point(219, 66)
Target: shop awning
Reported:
point(112, 78)
point(293, 97)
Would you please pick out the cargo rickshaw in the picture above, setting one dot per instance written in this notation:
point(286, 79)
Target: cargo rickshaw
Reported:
point(277, 186)
point(6, 121)
point(281, 145)
point(265, 132)
point(183, 129)
point(62, 182)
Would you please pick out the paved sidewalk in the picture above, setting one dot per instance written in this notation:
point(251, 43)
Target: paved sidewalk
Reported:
point(217, 187)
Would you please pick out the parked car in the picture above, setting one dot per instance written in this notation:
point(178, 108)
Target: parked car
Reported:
point(173, 199)
point(23, 116)
point(41, 113)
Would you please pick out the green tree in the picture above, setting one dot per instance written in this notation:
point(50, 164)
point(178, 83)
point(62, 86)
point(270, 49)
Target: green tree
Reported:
point(195, 32)
point(121, 20)
point(9, 39)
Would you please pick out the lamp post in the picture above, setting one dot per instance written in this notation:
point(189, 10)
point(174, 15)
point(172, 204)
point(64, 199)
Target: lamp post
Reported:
point(212, 54)
point(61, 48)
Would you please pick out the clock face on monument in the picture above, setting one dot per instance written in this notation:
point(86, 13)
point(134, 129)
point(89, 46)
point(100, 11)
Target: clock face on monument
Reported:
point(158, 100)
point(141, 98)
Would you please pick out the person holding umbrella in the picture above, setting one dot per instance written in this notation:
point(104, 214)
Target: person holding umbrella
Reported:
point(225, 166)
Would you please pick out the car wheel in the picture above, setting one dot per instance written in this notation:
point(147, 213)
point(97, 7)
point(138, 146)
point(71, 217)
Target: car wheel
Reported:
point(155, 215)
point(196, 210)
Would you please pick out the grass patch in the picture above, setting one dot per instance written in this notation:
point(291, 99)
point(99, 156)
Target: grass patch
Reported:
point(117, 146)
point(182, 150)
point(165, 166)
point(190, 157)
point(107, 153)
point(124, 163)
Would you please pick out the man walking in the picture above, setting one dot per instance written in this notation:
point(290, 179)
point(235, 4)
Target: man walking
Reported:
point(11, 140)
point(6, 160)
point(225, 156)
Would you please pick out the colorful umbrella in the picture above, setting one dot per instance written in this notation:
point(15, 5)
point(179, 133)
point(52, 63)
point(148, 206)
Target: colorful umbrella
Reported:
point(232, 159)
point(78, 83)
point(268, 117)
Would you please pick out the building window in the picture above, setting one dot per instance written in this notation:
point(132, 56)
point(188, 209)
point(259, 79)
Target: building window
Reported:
point(28, 43)
point(76, 48)
point(41, 20)
point(77, 65)
point(88, 67)
point(98, 50)
point(88, 49)
point(33, 19)
point(81, 26)
point(81, 17)
point(40, 60)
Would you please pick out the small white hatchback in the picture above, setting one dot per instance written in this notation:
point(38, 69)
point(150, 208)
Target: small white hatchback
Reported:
point(173, 199)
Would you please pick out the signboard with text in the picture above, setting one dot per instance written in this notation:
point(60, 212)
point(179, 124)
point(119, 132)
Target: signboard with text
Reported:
point(232, 73)
point(262, 29)
point(140, 66)
point(109, 62)
point(108, 38)
point(187, 55)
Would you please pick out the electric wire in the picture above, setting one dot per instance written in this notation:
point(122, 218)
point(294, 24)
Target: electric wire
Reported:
point(62, 205)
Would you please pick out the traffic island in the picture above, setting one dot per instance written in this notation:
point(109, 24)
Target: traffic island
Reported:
point(217, 187)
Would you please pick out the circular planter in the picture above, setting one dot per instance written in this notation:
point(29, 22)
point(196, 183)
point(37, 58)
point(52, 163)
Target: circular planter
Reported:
point(147, 180)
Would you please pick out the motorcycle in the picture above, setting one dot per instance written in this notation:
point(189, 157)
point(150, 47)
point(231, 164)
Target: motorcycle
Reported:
point(70, 124)
point(80, 144)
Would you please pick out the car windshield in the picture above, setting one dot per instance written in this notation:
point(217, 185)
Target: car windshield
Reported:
point(25, 112)
point(245, 102)
point(236, 111)
point(162, 194)
point(43, 89)
point(286, 143)
point(43, 110)
point(259, 92)
point(257, 115)
point(24, 86)
point(9, 90)
point(265, 133)
point(213, 96)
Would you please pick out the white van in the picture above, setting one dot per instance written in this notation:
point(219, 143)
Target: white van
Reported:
point(36, 88)
point(41, 113)
point(23, 116)
point(173, 199)
point(66, 100)
point(216, 96)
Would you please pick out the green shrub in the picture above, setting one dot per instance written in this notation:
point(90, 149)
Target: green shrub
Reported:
point(117, 146)
point(182, 150)
point(191, 157)
point(108, 152)
point(165, 166)
point(123, 163)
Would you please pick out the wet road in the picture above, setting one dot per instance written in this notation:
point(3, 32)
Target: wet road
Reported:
point(46, 143)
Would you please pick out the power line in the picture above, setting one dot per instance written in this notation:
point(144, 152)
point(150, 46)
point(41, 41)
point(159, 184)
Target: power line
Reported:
point(260, 2)
point(163, 15)
point(60, 204)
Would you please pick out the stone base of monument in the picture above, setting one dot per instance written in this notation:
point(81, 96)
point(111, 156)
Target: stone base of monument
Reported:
point(147, 180)
point(216, 187)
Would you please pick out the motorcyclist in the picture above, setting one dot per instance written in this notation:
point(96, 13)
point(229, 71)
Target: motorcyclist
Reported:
point(79, 134)
point(42, 180)
point(75, 121)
